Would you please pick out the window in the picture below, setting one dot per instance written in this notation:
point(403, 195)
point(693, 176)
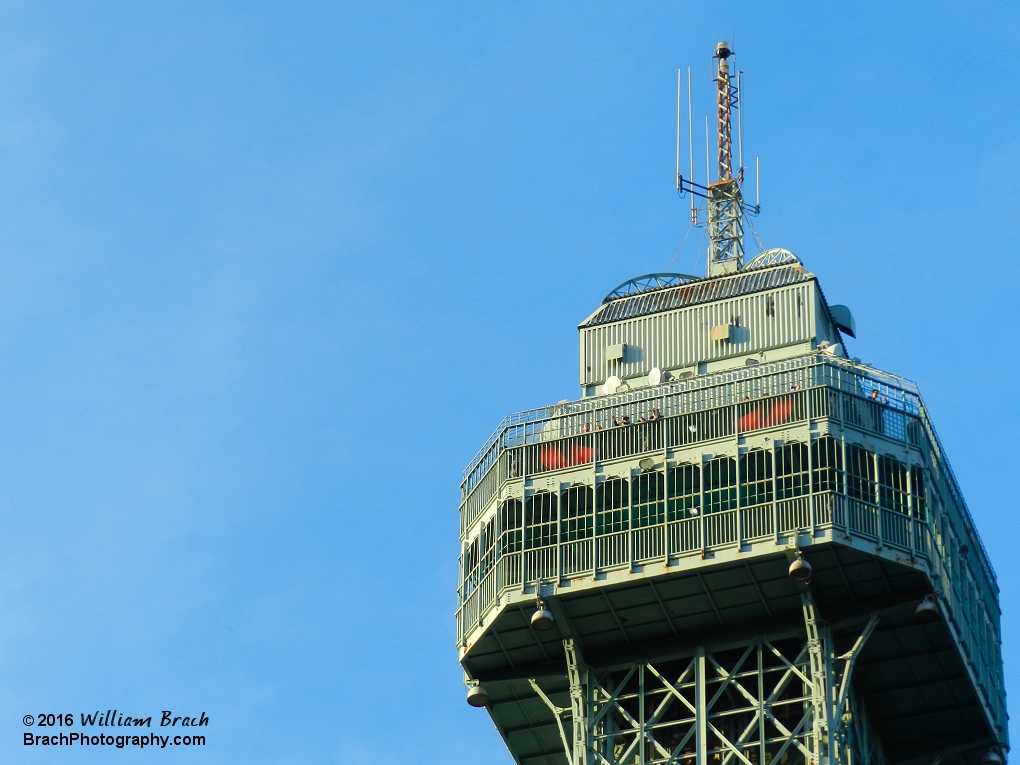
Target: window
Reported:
point(860, 477)
point(755, 477)
point(511, 523)
point(892, 484)
point(540, 520)
point(720, 481)
point(918, 495)
point(684, 491)
point(649, 493)
point(611, 506)
point(488, 548)
point(470, 567)
point(576, 518)
point(791, 470)
point(827, 473)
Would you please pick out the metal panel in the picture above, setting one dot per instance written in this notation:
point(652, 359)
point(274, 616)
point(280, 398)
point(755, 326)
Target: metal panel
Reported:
point(696, 293)
point(682, 337)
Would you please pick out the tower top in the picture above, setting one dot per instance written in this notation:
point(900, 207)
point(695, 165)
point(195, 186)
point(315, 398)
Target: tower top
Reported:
point(726, 101)
point(725, 202)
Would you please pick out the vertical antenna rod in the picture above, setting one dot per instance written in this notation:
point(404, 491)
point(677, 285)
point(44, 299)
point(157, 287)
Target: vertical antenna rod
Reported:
point(740, 128)
point(757, 185)
point(708, 167)
point(690, 143)
point(678, 95)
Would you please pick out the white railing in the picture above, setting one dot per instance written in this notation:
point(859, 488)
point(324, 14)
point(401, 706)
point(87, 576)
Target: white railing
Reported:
point(612, 550)
point(689, 536)
point(684, 536)
point(757, 522)
point(649, 543)
point(664, 541)
point(706, 408)
point(577, 557)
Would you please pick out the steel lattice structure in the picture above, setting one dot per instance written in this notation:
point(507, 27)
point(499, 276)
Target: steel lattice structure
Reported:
point(737, 547)
point(725, 227)
point(786, 700)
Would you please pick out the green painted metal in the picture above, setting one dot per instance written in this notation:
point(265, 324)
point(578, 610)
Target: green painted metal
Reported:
point(725, 227)
point(749, 705)
point(844, 508)
point(657, 526)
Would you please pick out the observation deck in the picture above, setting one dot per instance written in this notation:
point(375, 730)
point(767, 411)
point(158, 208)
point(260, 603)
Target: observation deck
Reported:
point(660, 520)
point(738, 547)
point(667, 516)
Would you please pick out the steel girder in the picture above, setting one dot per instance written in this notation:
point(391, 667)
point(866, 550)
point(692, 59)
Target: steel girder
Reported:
point(770, 702)
point(725, 227)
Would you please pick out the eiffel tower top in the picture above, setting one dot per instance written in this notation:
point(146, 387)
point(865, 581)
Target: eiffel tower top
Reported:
point(737, 547)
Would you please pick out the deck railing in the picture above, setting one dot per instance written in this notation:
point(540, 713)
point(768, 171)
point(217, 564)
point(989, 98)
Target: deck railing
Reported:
point(700, 536)
point(723, 406)
point(707, 408)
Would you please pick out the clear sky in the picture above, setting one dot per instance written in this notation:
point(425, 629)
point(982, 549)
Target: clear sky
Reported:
point(271, 272)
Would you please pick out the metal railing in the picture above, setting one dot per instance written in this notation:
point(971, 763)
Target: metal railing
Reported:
point(692, 536)
point(723, 406)
point(704, 391)
point(705, 408)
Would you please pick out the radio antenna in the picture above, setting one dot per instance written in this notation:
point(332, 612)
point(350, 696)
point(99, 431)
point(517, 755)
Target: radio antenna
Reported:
point(725, 203)
point(757, 188)
point(690, 145)
point(708, 167)
point(740, 128)
point(679, 79)
point(725, 200)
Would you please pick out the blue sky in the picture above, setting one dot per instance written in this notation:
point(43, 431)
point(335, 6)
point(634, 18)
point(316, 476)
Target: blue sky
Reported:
point(271, 272)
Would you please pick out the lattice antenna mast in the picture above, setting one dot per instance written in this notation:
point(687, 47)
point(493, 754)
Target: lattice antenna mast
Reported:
point(724, 112)
point(725, 202)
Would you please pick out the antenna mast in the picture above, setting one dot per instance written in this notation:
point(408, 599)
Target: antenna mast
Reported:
point(725, 202)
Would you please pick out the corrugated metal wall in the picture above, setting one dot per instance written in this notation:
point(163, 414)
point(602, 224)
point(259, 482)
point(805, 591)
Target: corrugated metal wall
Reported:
point(672, 339)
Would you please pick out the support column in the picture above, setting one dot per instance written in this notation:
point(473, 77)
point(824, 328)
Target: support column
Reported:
point(819, 653)
point(701, 705)
point(678, 711)
point(578, 707)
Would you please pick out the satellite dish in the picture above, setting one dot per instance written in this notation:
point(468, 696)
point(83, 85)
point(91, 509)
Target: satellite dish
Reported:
point(612, 383)
point(647, 464)
point(655, 376)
